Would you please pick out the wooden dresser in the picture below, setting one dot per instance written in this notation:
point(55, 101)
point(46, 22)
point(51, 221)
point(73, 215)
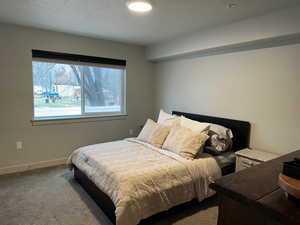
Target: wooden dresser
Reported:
point(253, 197)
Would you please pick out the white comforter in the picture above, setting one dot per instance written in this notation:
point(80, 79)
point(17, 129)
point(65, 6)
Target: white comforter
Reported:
point(143, 180)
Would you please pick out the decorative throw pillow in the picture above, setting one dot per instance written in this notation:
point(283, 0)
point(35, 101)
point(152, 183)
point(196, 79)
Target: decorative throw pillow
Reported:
point(185, 142)
point(167, 119)
point(221, 130)
point(193, 125)
point(154, 133)
point(220, 138)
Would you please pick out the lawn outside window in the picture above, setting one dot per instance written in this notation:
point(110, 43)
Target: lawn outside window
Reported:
point(68, 89)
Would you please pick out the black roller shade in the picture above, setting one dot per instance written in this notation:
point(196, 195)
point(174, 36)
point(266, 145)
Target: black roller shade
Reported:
point(77, 58)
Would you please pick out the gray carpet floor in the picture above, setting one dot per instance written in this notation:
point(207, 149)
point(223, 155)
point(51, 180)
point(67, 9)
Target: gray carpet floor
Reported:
point(52, 197)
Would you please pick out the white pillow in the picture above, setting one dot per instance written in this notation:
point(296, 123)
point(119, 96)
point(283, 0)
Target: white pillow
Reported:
point(167, 119)
point(193, 125)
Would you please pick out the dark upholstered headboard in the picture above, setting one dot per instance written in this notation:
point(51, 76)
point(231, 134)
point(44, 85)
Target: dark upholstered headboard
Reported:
point(240, 129)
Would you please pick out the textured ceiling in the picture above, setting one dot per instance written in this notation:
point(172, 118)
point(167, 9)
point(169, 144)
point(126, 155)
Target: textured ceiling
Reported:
point(110, 19)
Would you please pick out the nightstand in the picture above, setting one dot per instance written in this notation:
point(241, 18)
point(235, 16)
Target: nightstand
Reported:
point(248, 157)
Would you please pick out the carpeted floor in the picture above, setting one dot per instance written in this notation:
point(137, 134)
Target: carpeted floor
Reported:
point(52, 197)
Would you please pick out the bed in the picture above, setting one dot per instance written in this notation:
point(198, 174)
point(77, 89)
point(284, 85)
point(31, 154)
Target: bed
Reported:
point(132, 181)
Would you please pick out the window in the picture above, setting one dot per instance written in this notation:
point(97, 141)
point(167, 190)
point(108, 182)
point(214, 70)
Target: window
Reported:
point(70, 86)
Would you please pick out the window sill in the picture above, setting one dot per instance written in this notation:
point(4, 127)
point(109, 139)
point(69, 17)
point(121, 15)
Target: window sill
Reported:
point(76, 119)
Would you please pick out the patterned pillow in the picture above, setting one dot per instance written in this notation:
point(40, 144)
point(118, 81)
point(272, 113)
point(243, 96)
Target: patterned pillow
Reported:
point(185, 142)
point(154, 133)
point(220, 138)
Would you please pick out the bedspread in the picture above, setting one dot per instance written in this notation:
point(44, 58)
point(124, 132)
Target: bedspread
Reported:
point(142, 180)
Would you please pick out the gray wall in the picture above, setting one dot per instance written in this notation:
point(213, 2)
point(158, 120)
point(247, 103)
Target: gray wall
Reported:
point(48, 142)
point(280, 24)
point(261, 86)
point(258, 84)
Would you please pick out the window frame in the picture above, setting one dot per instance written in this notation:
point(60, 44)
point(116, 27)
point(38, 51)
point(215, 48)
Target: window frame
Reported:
point(82, 60)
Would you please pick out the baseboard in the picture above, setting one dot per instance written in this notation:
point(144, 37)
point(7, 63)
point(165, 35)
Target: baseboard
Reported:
point(32, 166)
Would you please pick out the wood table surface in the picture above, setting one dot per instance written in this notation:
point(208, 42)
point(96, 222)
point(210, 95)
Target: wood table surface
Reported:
point(258, 187)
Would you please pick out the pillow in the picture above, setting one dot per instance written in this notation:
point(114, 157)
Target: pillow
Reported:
point(154, 133)
point(220, 130)
point(220, 139)
point(185, 142)
point(167, 119)
point(193, 125)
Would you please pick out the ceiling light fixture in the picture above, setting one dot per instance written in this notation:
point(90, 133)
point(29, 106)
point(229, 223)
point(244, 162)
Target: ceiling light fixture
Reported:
point(140, 6)
point(231, 5)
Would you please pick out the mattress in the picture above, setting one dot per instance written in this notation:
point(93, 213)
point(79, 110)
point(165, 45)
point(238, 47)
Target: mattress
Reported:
point(142, 180)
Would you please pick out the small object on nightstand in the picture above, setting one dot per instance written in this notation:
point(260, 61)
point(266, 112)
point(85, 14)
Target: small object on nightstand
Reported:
point(249, 157)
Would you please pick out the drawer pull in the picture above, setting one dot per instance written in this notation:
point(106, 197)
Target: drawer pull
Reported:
point(248, 163)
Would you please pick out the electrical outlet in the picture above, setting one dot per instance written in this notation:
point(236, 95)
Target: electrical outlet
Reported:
point(19, 145)
point(131, 132)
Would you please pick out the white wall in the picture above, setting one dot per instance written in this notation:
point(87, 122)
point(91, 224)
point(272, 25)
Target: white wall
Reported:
point(43, 143)
point(261, 86)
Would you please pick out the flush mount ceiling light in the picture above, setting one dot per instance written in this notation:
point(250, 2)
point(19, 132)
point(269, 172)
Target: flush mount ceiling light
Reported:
point(140, 6)
point(231, 5)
